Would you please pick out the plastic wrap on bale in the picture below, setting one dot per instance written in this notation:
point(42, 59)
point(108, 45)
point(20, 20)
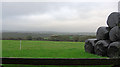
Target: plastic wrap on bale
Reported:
point(115, 34)
point(103, 33)
point(101, 47)
point(89, 45)
point(113, 19)
point(114, 50)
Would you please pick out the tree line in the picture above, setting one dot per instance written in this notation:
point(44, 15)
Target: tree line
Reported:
point(73, 38)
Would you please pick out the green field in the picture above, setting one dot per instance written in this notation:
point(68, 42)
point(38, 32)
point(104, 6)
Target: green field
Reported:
point(44, 49)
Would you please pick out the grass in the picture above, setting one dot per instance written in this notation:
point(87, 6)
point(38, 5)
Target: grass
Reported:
point(45, 49)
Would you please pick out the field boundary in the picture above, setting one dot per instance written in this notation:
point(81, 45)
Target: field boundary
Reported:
point(61, 61)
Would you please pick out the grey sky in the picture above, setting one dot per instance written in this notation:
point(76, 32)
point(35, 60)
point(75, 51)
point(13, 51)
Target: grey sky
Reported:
point(56, 16)
point(60, 0)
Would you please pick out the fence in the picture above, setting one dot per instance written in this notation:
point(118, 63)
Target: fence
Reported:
point(62, 61)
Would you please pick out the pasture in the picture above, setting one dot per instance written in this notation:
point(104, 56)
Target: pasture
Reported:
point(44, 49)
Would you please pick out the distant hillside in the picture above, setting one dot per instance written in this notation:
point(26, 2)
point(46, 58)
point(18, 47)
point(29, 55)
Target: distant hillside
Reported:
point(40, 34)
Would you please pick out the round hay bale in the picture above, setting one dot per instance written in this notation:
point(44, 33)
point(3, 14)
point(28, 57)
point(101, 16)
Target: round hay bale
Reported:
point(114, 34)
point(103, 33)
point(114, 50)
point(101, 47)
point(89, 45)
point(113, 19)
point(118, 24)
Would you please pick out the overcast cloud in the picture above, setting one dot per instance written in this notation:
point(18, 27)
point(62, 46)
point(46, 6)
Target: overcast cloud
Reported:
point(60, 0)
point(52, 16)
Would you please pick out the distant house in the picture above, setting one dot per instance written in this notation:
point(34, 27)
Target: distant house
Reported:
point(54, 37)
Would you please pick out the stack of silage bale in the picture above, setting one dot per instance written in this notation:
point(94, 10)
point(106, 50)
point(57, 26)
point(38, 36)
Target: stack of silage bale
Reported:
point(107, 42)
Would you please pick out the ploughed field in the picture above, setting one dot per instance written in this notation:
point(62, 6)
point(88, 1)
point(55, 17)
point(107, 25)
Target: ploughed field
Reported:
point(44, 49)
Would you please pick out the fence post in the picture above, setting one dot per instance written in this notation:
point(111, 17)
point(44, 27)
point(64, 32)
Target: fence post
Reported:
point(20, 45)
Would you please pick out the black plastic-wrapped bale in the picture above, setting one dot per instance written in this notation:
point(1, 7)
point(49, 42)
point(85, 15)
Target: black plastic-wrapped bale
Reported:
point(101, 47)
point(103, 33)
point(118, 24)
point(115, 34)
point(114, 50)
point(113, 19)
point(89, 45)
